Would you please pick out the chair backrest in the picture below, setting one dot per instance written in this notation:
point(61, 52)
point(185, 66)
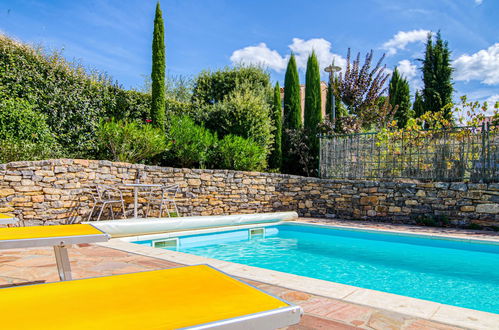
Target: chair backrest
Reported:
point(170, 190)
point(102, 192)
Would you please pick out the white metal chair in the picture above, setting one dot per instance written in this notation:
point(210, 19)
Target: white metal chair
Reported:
point(107, 195)
point(167, 200)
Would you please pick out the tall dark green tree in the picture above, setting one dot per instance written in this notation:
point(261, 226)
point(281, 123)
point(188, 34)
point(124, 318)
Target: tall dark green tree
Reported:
point(275, 159)
point(292, 116)
point(313, 107)
point(399, 96)
point(158, 70)
point(418, 106)
point(292, 100)
point(437, 75)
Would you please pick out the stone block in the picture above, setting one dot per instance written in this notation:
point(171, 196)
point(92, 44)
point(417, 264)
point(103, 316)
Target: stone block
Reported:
point(394, 209)
point(369, 200)
point(13, 178)
point(6, 192)
point(467, 208)
point(487, 208)
point(421, 193)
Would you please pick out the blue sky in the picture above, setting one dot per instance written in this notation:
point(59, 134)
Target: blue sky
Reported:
point(115, 36)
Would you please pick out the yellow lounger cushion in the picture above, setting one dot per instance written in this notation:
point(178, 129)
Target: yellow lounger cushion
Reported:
point(47, 231)
point(162, 299)
point(5, 216)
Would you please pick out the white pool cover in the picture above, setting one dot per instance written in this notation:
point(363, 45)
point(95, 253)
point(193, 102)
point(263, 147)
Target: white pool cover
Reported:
point(129, 227)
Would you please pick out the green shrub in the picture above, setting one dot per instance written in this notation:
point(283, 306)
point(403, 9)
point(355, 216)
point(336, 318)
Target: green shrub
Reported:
point(246, 113)
point(24, 133)
point(72, 98)
point(212, 87)
point(237, 153)
point(129, 142)
point(191, 145)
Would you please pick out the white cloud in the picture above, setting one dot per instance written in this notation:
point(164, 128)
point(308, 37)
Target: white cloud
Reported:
point(263, 55)
point(478, 2)
point(410, 71)
point(402, 39)
point(482, 66)
point(303, 48)
point(407, 69)
point(259, 55)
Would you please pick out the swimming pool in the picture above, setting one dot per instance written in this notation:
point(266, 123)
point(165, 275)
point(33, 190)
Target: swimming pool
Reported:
point(459, 273)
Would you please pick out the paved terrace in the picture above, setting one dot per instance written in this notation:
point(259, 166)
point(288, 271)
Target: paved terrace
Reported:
point(88, 260)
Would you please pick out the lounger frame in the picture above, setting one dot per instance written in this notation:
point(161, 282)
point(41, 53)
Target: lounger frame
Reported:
point(272, 319)
point(60, 244)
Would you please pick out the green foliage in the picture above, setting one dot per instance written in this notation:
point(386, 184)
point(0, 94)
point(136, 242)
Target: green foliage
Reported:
point(244, 112)
point(292, 115)
point(158, 70)
point(24, 133)
point(129, 141)
point(292, 101)
point(313, 107)
point(400, 99)
point(433, 221)
point(191, 145)
point(299, 149)
point(237, 153)
point(437, 75)
point(212, 87)
point(418, 106)
point(72, 100)
point(275, 158)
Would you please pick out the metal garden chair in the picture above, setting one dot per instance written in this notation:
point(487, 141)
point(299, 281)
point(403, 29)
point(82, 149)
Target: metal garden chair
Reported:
point(107, 196)
point(167, 194)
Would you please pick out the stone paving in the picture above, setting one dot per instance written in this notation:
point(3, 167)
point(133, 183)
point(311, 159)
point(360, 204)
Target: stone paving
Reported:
point(18, 267)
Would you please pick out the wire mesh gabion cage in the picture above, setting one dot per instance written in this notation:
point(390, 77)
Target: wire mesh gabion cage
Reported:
point(456, 154)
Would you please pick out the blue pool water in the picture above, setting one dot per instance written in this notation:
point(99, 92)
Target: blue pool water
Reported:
point(450, 272)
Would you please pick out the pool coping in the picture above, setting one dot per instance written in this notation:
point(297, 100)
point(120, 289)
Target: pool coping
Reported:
point(425, 309)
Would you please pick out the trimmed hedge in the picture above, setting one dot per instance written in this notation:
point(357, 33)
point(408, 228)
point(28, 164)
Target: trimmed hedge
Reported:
point(73, 99)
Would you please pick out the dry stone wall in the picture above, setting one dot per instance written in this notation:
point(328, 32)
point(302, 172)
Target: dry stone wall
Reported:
point(58, 191)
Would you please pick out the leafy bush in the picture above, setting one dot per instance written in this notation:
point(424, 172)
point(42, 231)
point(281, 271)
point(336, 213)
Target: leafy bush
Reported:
point(237, 153)
point(246, 113)
point(192, 145)
point(24, 133)
point(129, 142)
point(212, 87)
point(72, 98)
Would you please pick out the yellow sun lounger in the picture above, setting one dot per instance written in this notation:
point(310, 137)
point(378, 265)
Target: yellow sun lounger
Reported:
point(6, 219)
point(57, 236)
point(193, 297)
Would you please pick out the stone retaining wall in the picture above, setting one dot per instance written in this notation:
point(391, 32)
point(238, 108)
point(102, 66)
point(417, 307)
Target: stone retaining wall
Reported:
point(58, 191)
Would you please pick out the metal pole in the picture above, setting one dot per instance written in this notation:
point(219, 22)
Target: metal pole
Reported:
point(333, 101)
point(62, 260)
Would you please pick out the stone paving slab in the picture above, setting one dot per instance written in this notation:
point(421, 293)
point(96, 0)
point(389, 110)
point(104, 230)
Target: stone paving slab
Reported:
point(87, 260)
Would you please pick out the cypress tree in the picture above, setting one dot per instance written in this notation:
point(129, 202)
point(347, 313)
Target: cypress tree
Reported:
point(418, 106)
point(399, 96)
point(292, 100)
point(275, 159)
point(313, 109)
point(437, 75)
point(158, 71)
point(292, 115)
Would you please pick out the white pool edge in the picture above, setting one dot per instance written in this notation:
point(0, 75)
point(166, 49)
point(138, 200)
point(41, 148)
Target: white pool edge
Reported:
point(429, 310)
